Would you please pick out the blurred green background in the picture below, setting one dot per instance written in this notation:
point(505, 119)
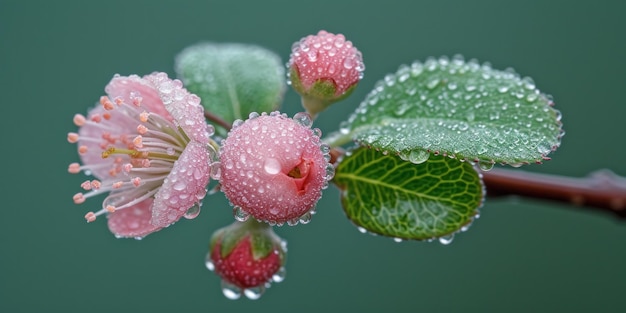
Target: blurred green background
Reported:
point(520, 256)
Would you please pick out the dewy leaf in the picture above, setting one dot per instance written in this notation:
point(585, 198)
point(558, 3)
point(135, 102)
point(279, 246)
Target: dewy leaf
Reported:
point(458, 108)
point(388, 196)
point(233, 79)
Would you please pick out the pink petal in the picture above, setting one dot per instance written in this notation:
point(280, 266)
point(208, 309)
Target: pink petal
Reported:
point(133, 222)
point(184, 186)
point(184, 107)
point(122, 87)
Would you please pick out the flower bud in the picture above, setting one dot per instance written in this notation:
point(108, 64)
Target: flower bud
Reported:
point(274, 168)
point(248, 256)
point(323, 69)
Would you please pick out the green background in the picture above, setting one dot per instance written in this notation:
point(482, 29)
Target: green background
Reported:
point(520, 256)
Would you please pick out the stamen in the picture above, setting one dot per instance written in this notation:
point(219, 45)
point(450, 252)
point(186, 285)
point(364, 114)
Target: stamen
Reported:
point(106, 115)
point(72, 137)
point(144, 116)
point(136, 181)
point(110, 208)
point(138, 142)
point(96, 118)
point(78, 198)
point(96, 184)
point(90, 217)
point(86, 185)
point(119, 100)
point(118, 184)
point(79, 120)
point(142, 129)
point(82, 149)
point(74, 168)
point(106, 103)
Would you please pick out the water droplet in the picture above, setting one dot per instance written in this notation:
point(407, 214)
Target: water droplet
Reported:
point(254, 293)
point(344, 127)
point(305, 218)
point(237, 123)
point(216, 171)
point(272, 166)
point(229, 164)
point(253, 115)
point(447, 239)
point(503, 89)
point(180, 185)
point(240, 214)
point(432, 84)
point(330, 172)
point(485, 165)
point(280, 275)
point(230, 291)
point(192, 212)
point(397, 239)
point(418, 156)
point(209, 263)
point(170, 151)
point(303, 119)
point(361, 230)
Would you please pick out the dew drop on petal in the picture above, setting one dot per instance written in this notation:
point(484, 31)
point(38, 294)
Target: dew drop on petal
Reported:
point(192, 212)
point(303, 119)
point(305, 218)
point(272, 166)
point(230, 291)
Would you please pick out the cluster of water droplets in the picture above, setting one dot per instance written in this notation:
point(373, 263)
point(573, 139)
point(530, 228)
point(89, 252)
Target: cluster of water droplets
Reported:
point(462, 109)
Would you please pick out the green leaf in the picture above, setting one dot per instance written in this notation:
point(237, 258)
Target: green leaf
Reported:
point(233, 79)
point(395, 198)
point(461, 109)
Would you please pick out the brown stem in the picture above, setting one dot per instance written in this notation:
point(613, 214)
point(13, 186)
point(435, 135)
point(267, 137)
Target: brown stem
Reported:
point(600, 190)
point(217, 120)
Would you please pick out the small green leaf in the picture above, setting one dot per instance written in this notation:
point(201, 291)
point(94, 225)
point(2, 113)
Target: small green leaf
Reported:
point(395, 198)
point(461, 109)
point(233, 79)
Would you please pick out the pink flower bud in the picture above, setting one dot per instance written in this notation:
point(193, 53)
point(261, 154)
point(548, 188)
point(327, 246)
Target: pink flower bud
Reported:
point(274, 168)
point(248, 257)
point(323, 69)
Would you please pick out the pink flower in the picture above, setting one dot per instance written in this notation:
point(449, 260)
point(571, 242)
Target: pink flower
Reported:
point(274, 168)
point(147, 144)
point(324, 67)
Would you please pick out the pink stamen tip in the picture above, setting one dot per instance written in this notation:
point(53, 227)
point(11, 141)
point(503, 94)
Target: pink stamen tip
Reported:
point(82, 149)
point(142, 129)
point(78, 198)
point(110, 208)
point(138, 141)
point(79, 120)
point(86, 185)
point(118, 184)
point(90, 217)
point(96, 118)
point(127, 167)
point(72, 137)
point(137, 101)
point(136, 181)
point(106, 103)
point(144, 116)
point(106, 115)
point(145, 163)
point(96, 184)
point(118, 101)
point(74, 168)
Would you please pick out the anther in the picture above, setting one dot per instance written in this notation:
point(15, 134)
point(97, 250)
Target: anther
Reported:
point(96, 184)
point(74, 168)
point(96, 118)
point(90, 217)
point(106, 103)
point(86, 185)
point(78, 198)
point(144, 116)
point(138, 141)
point(118, 184)
point(119, 100)
point(79, 120)
point(142, 129)
point(82, 149)
point(110, 208)
point(72, 137)
point(136, 181)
